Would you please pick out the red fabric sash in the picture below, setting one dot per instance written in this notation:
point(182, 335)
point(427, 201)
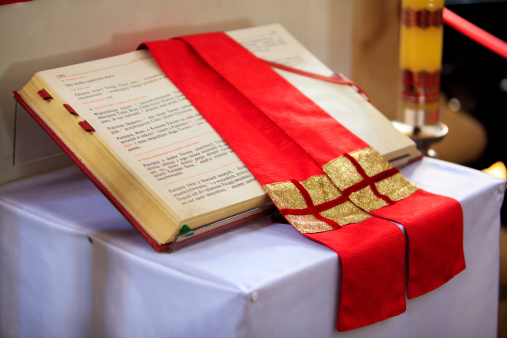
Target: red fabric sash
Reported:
point(434, 224)
point(373, 278)
point(294, 148)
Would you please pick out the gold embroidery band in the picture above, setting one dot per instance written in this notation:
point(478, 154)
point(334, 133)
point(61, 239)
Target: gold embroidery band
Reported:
point(314, 205)
point(368, 179)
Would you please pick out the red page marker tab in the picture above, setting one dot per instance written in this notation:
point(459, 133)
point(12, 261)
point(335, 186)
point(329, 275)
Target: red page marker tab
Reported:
point(44, 94)
point(70, 109)
point(86, 126)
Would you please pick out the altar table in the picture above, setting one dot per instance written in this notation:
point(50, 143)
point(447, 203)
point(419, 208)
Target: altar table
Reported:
point(71, 266)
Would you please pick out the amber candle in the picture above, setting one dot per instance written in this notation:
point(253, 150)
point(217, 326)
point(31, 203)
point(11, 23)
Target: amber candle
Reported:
point(421, 35)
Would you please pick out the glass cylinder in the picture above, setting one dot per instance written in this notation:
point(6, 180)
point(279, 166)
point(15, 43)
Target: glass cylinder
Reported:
point(421, 35)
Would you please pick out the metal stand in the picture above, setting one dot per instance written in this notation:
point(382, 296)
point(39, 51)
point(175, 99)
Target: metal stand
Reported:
point(424, 136)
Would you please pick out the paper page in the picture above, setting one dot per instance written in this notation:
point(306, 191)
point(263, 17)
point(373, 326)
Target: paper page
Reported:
point(157, 133)
point(140, 114)
point(275, 44)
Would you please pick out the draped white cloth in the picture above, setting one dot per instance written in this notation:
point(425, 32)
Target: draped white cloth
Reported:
point(71, 266)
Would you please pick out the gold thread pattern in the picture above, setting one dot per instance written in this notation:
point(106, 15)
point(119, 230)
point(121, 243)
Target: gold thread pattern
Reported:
point(305, 218)
point(394, 186)
point(346, 213)
point(371, 161)
point(308, 224)
point(321, 189)
point(285, 195)
point(366, 199)
point(343, 173)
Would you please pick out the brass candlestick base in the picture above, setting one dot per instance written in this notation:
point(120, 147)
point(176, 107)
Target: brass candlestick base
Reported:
point(424, 136)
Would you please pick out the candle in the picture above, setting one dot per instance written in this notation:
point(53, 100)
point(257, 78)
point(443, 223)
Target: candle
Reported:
point(421, 35)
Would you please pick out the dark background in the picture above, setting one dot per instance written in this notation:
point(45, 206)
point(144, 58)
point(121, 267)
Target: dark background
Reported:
point(477, 77)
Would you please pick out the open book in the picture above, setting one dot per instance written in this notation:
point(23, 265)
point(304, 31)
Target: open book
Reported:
point(154, 156)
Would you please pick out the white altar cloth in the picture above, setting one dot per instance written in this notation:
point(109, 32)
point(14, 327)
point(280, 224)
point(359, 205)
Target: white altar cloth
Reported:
point(71, 266)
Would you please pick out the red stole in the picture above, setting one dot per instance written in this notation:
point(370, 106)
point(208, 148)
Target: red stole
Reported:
point(326, 181)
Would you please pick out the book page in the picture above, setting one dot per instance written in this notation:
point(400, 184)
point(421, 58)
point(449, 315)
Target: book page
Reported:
point(343, 102)
point(156, 132)
point(146, 120)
